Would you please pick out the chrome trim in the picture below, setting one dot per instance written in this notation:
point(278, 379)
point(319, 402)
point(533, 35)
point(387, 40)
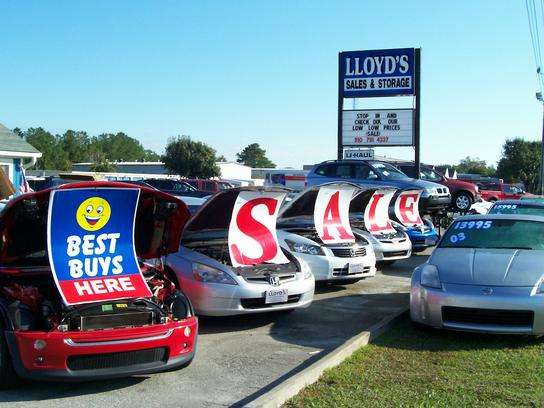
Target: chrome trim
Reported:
point(72, 343)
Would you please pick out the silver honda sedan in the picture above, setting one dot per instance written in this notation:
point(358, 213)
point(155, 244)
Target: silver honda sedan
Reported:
point(485, 275)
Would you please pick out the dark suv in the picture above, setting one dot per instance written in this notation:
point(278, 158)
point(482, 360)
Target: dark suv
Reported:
point(176, 187)
point(463, 193)
point(434, 198)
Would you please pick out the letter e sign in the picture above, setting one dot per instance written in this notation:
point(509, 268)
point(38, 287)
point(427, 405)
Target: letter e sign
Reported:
point(407, 208)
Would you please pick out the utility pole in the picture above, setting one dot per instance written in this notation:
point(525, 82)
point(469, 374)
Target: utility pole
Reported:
point(541, 170)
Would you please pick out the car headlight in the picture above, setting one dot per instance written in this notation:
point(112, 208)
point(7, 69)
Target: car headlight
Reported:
point(430, 277)
point(205, 273)
point(304, 248)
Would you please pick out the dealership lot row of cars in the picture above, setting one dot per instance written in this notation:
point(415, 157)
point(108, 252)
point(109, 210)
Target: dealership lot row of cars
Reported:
point(72, 307)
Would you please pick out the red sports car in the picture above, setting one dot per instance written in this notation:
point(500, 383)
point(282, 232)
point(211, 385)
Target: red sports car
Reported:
point(84, 316)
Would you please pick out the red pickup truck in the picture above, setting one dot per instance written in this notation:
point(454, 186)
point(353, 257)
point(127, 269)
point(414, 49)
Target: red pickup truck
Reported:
point(500, 191)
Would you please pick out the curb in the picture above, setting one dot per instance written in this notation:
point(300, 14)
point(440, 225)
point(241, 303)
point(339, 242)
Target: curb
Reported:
point(278, 395)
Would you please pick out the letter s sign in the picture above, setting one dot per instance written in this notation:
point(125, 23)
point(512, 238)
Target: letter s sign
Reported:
point(407, 208)
point(252, 230)
point(331, 213)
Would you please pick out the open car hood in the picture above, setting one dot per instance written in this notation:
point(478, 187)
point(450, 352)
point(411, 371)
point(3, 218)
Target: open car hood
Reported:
point(160, 219)
point(303, 205)
point(216, 212)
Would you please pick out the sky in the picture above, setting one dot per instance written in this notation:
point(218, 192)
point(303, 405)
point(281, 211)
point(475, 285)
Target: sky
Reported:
point(232, 73)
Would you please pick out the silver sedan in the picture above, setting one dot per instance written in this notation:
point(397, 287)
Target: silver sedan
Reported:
point(485, 275)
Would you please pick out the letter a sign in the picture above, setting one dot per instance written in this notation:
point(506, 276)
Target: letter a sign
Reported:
point(252, 230)
point(331, 213)
point(377, 213)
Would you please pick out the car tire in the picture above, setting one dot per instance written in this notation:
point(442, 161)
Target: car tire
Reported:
point(462, 201)
point(8, 376)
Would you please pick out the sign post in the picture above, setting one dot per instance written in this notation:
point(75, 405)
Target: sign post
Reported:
point(379, 73)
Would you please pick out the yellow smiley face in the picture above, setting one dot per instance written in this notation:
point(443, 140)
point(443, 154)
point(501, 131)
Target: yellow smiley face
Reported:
point(93, 213)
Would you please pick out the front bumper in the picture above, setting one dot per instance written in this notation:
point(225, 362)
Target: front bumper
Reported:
point(422, 241)
point(394, 250)
point(435, 203)
point(88, 355)
point(216, 299)
point(333, 268)
point(504, 310)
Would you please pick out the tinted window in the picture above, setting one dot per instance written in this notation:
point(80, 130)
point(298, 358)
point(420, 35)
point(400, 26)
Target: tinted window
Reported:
point(388, 172)
point(342, 170)
point(362, 171)
point(208, 186)
point(193, 183)
point(495, 234)
point(325, 170)
point(223, 186)
point(524, 209)
point(428, 174)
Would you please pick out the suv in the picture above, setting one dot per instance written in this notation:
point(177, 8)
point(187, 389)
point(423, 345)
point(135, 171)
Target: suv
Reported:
point(463, 193)
point(373, 173)
point(500, 191)
point(176, 187)
point(213, 186)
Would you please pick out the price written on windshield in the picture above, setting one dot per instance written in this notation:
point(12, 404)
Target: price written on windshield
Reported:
point(377, 127)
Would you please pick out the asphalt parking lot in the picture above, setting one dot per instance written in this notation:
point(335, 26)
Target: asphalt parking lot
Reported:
point(240, 358)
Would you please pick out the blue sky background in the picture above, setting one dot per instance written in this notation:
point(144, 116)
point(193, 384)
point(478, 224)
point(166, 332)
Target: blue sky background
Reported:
point(231, 73)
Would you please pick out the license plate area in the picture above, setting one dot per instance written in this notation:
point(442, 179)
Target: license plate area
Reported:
point(276, 296)
point(356, 268)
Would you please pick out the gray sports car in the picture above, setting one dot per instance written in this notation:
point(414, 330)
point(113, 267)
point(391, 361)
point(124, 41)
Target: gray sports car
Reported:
point(486, 275)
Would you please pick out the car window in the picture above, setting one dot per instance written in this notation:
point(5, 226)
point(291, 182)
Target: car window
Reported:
point(482, 233)
point(324, 170)
point(193, 183)
point(208, 186)
point(429, 174)
point(388, 171)
point(362, 171)
point(223, 186)
point(343, 170)
point(522, 209)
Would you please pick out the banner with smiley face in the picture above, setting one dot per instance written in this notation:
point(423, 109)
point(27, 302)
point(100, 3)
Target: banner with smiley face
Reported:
point(90, 236)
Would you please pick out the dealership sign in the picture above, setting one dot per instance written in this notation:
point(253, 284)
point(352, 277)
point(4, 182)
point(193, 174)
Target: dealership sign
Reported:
point(90, 240)
point(381, 127)
point(377, 73)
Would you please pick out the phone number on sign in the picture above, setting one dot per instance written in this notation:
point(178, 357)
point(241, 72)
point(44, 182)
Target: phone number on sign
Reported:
point(371, 139)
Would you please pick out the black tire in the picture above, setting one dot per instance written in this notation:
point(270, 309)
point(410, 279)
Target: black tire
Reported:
point(462, 201)
point(8, 376)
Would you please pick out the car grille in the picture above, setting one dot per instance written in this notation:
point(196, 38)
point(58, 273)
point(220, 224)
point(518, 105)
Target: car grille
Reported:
point(114, 360)
point(345, 271)
point(266, 279)
point(393, 254)
point(259, 303)
point(348, 252)
point(487, 316)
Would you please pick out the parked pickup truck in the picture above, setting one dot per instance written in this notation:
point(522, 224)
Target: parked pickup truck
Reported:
point(500, 191)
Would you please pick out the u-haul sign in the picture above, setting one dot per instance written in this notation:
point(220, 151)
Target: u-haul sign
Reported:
point(358, 154)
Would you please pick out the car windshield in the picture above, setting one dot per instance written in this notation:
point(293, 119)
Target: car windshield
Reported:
point(428, 174)
point(389, 172)
point(522, 209)
point(482, 233)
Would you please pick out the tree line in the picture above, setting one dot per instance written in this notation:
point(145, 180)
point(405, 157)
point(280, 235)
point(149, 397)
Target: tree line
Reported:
point(519, 163)
point(183, 155)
